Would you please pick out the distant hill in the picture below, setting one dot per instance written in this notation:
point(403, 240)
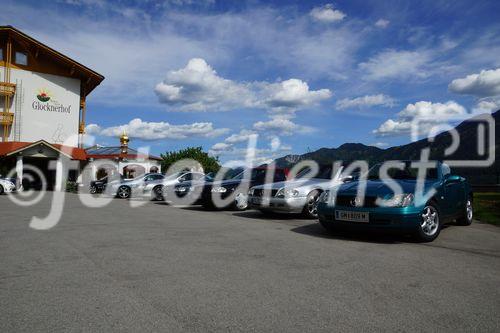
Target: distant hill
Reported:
point(467, 149)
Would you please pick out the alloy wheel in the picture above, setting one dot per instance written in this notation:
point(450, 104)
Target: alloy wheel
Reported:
point(241, 201)
point(469, 209)
point(123, 192)
point(312, 205)
point(93, 190)
point(158, 193)
point(430, 221)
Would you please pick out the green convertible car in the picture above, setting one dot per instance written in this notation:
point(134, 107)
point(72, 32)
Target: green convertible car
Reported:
point(420, 207)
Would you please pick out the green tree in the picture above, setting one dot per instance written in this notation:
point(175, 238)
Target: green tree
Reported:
point(209, 164)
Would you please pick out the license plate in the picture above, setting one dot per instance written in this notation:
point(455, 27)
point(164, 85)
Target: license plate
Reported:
point(345, 215)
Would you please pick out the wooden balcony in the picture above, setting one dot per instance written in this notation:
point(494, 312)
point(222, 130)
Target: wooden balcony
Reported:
point(7, 89)
point(6, 118)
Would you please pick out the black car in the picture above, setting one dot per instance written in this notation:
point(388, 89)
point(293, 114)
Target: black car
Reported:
point(98, 186)
point(234, 195)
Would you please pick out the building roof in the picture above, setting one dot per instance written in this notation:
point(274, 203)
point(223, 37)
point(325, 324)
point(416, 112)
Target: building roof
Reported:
point(93, 79)
point(12, 148)
point(99, 152)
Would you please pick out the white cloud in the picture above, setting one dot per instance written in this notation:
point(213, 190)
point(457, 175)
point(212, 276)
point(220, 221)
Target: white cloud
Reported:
point(221, 147)
point(382, 23)
point(484, 84)
point(242, 136)
point(380, 144)
point(281, 125)
point(366, 101)
point(428, 114)
point(327, 14)
point(293, 93)
point(392, 64)
point(197, 87)
point(143, 130)
point(487, 105)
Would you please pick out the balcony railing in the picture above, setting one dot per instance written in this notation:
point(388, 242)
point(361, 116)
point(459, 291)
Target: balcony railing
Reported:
point(6, 118)
point(7, 89)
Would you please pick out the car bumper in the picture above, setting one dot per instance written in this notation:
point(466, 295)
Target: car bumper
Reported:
point(407, 218)
point(11, 189)
point(287, 205)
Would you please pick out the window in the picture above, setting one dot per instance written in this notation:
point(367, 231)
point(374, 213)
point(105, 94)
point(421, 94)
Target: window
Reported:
point(198, 176)
point(21, 58)
point(1, 54)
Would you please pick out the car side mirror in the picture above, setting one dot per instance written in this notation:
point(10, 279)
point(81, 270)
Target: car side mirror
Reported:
point(451, 179)
point(347, 179)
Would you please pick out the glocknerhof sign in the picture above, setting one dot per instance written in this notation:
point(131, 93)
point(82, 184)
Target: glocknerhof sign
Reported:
point(46, 102)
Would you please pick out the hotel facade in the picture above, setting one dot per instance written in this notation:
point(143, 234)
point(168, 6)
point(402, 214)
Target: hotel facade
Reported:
point(43, 107)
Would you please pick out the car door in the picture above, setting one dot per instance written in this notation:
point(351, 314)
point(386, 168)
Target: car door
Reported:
point(454, 195)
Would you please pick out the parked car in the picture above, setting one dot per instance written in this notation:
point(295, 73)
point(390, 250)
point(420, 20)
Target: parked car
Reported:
point(98, 186)
point(299, 195)
point(141, 186)
point(228, 189)
point(7, 185)
point(183, 177)
point(451, 200)
point(185, 190)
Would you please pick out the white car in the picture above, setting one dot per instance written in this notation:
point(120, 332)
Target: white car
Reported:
point(7, 185)
point(298, 195)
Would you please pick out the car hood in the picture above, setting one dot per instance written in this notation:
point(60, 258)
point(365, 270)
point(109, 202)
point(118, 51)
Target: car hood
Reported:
point(379, 188)
point(295, 183)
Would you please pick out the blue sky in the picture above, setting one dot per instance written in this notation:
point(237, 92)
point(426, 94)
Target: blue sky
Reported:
point(299, 74)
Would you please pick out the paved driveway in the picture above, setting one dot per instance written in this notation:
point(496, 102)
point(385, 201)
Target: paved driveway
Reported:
point(161, 268)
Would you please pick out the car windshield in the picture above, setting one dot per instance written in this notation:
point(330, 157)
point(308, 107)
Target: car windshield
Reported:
point(324, 172)
point(408, 172)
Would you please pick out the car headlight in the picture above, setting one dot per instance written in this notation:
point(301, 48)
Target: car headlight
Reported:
point(287, 192)
point(398, 200)
point(219, 189)
point(9, 185)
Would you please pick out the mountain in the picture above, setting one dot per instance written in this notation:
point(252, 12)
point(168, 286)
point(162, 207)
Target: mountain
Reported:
point(467, 150)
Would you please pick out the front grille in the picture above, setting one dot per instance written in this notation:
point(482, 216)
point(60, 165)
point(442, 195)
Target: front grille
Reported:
point(347, 200)
point(258, 192)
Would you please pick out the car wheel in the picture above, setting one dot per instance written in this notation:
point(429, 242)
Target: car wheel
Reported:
point(311, 208)
point(93, 189)
point(468, 213)
point(124, 192)
point(241, 201)
point(430, 224)
point(1, 190)
point(157, 193)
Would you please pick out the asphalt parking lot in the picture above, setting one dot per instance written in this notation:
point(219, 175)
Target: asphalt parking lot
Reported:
point(162, 268)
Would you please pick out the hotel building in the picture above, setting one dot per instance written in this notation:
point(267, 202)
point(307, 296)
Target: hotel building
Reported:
point(42, 108)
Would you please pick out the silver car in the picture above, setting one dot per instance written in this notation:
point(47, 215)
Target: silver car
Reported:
point(299, 195)
point(149, 185)
point(142, 186)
